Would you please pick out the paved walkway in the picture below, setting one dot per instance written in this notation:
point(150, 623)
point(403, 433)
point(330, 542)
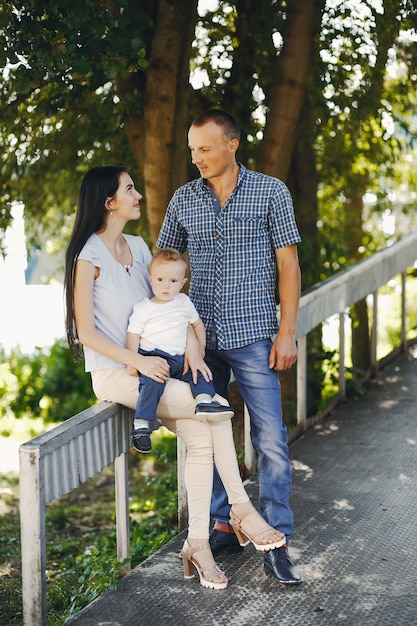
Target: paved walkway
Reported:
point(355, 504)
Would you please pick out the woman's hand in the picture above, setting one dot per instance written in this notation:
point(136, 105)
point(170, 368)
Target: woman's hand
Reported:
point(132, 371)
point(154, 367)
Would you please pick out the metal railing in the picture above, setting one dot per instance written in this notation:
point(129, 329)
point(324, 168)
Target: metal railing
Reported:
point(60, 460)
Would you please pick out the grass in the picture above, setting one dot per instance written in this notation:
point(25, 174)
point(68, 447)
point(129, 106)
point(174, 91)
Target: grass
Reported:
point(80, 531)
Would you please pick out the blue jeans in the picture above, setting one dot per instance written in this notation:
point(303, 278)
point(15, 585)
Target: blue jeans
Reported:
point(260, 389)
point(150, 391)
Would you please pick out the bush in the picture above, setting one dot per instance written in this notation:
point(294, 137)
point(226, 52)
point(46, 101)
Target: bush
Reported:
point(46, 384)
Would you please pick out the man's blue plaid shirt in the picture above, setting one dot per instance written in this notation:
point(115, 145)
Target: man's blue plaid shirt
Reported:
point(232, 253)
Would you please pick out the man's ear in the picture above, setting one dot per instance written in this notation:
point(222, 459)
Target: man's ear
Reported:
point(233, 145)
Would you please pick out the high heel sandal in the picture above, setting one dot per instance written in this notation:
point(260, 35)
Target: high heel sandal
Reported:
point(244, 536)
point(207, 575)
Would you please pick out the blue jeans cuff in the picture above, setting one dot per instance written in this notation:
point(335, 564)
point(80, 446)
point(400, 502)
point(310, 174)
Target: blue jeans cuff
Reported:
point(221, 520)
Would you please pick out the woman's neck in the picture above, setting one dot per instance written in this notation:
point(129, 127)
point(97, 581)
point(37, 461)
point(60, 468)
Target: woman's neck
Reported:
point(112, 234)
point(117, 246)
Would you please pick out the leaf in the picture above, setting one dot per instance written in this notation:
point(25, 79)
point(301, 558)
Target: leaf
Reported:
point(22, 84)
point(136, 43)
point(110, 71)
point(81, 67)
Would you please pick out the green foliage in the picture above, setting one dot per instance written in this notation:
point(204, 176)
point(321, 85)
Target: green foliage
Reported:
point(10, 581)
point(80, 533)
point(63, 109)
point(60, 114)
point(47, 384)
point(389, 319)
point(353, 378)
point(153, 524)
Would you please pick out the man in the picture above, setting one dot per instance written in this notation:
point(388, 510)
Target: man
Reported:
point(239, 226)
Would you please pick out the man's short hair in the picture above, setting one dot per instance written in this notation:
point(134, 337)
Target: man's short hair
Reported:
point(221, 118)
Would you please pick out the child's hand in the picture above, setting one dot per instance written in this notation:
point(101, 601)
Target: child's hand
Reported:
point(132, 371)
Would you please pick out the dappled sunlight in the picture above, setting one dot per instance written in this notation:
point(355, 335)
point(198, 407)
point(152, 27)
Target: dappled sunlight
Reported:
point(371, 584)
point(405, 480)
point(343, 505)
point(328, 428)
point(318, 567)
point(392, 379)
point(387, 404)
point(6, 569)
point(298, 466)
point(7, 491)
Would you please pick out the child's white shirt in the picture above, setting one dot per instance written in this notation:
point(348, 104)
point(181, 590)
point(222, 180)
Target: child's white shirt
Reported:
point(163, 325)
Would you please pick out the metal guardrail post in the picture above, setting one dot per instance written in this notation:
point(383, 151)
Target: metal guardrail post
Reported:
point(403, 312)
point(33, 542)
point(121, 482)
point(374, 333)
point(54, 463)
point(182, 492)
point(342, 369)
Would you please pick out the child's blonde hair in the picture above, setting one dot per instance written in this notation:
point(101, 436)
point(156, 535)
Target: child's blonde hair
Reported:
point(167, 255)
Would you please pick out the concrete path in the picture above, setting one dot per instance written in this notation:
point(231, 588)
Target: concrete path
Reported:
point(355, 504)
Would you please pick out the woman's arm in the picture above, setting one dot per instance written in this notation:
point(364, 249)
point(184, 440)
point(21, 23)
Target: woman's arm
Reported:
point(132, 344)
point(85, 275)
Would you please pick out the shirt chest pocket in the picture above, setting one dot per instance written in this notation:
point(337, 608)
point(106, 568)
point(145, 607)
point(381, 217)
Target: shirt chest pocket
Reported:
point(249, 236)
point(248, 227)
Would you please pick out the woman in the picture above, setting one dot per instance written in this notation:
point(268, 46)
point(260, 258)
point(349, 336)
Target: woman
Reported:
point(106, 274)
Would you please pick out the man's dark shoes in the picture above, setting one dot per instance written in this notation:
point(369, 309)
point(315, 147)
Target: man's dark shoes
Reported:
point(141, 440)
point(223, 542)
point(278, 563)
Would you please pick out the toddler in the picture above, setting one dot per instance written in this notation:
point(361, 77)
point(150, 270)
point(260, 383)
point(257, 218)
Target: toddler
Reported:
point(158, 327)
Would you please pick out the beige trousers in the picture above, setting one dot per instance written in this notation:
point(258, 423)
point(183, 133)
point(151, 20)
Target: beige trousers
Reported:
point(206, 443)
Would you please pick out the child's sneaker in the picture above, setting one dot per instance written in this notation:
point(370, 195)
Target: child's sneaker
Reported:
point(141, 440)
point(213, 412)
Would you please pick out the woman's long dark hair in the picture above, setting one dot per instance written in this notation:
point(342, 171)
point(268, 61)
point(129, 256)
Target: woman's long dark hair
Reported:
point(99, 184)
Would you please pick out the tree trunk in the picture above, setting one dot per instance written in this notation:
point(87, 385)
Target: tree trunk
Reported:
point(361, 359)
point(287, 94)
point(252, 56)
point(280, 151)
point(359, 311)
point(303, 182)
point(166, 106)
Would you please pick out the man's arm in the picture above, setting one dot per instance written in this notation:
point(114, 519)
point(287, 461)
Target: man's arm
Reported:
point(200, 333)
point(284, 350)
point(172, 235)
point(193, 359)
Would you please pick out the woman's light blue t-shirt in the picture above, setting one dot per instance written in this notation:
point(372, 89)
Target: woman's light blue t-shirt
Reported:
point(115, 293)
